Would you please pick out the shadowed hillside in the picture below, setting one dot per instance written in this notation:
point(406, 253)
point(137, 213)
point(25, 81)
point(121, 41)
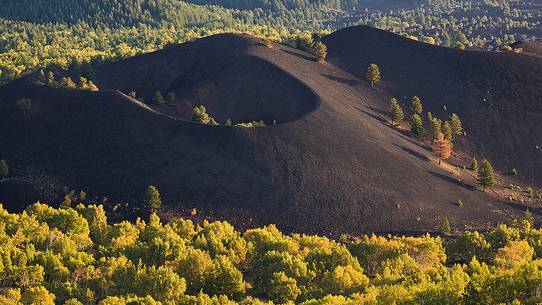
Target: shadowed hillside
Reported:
point(332, 166)
point(496, 94)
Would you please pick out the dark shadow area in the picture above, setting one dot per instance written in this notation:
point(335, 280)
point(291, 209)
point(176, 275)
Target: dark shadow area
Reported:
point(413, 153)
point(342, 80)
point(16, 195)
point(453, 181)
point(374, 116)
point(522, 207)
point(402, 133)
point(306, 57)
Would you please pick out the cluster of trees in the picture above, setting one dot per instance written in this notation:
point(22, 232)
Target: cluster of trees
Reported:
point(69, 35)
point(75, 256)
point(419, 124)
point(200, 115)
point(50, 79)
point(461, 24)
point(442, 136)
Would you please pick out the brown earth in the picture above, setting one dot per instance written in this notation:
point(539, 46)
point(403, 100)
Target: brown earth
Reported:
point(331, 165)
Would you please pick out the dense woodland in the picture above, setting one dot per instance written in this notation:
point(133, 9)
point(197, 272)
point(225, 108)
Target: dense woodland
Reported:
point(75, 256)
point(71, 34)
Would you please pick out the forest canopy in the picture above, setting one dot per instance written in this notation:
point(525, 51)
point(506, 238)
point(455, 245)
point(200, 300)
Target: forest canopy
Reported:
point(74, 34)
point(76, 256)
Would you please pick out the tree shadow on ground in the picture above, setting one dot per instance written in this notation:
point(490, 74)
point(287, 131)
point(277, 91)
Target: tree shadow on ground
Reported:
point(453, 181)
point(303, 56)
point(522, 207)
point(342, 80)
point(413, 153)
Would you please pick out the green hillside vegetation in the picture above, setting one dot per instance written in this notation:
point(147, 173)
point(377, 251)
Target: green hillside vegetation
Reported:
point(71, 34)
point(75, 256)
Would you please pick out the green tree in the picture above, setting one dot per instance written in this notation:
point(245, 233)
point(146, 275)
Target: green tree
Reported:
point(4, 169)
point(171, 98)
point(158, 98)
point(417, 125)
point(37, 295)
point(199, 114)
point(67, 82)
point(457, 128)
point(474, 164)
point(154, 203)
point(447, 131)
point(283, 289)
point(396, 113)
point(228, 122)
point(429, 117)
point(436, 128)
point(320, 51)
point(24, 105)
point(446, 227)
point(485, 175)
point(416, 107)
point(373, 74)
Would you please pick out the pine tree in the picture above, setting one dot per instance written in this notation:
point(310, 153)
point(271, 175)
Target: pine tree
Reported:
point(153, 199)
point(442, 148)
point(4, 169)
point(436, 127)
point(67, 82)
point(320, 51)
point(474, 164)
point(447, 131)
point(396, 113)
point(416, 107)
point(92, 86)
point(158, 98)
point(446, 227)
point(51, 79)
point(373, 74)
point(417, 125)
point(199, 114)
point(171, 98)
point(24, 105)
point(429, 117)
point(457, 128)
point(485, 175)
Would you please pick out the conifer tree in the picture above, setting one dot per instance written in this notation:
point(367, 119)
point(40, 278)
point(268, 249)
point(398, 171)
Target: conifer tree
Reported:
point(373, 74)
point(436, 127)
point(430, 117)
point(320, 51)
point(447, 131)
point(51, 79)
point(158, 98)
point(485, 175)
point(92, 86)
point(171, 98)
point(396, 113)
point(153, 199)
point(199, 114)
point(474, 164)
point(417, 125)
point(446, 227)
point(416, 107)
point(67, 82)
point(24, 105)
point(442, 148)
point(457, 128)
point(4, 169)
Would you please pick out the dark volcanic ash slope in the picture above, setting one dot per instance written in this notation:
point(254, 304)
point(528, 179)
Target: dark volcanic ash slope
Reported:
point(498, 95)
point(330, 166)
